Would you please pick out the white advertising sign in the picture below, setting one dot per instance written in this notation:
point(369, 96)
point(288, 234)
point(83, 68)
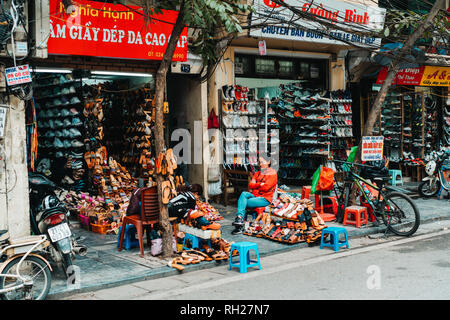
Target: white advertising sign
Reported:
point(353, 17)
point(18, 75)
point(372, 148)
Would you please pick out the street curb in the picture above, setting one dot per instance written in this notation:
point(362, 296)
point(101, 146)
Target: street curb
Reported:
point(157, 274)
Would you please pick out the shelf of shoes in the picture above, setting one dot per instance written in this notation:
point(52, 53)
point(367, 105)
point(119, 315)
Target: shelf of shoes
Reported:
point(303, 118)
point(391, 125)
point(59, 107)
point(445, 140)
point(431, 123)
point(340, 123)
point(241, 120)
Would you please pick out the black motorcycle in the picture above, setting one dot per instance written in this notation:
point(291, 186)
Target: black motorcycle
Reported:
point(49, 216)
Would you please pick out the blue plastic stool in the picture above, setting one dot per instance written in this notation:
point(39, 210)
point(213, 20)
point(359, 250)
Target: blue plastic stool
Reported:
point(394, 175)
point(244, 256)
point(334, 241)
point(195, 241)
point(129, 239)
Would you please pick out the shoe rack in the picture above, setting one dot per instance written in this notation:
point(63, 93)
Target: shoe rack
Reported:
point(59, 116)
point(407, 128)
point(305, 131)
point(241, 119)
point(445, 133)
point(341, 124)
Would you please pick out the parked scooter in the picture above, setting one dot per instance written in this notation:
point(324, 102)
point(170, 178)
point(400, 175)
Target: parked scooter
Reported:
point(435, 168)
point(49, 216)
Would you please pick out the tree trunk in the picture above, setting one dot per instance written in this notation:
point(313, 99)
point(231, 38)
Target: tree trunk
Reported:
point(159, 125)
point(392, 72)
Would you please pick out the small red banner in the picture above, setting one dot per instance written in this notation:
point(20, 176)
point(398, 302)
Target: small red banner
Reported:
point(105, 30)
point(408, 76)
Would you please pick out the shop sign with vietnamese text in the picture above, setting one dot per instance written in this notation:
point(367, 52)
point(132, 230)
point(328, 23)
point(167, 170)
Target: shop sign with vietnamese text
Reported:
point(407, 76)
point(358, 19)
point(18, 75)
point(436, 76)
point(115, 31)
point(372, 148)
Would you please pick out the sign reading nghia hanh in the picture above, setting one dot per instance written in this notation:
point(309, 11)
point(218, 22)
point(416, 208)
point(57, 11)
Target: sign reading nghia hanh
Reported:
point(107, 30)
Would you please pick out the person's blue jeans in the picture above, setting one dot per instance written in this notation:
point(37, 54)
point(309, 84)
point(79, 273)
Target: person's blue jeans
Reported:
point(248, 200)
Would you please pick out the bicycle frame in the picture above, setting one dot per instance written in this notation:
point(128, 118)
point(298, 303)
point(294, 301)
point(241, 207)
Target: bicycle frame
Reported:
point(30, 247)
point(357, 179)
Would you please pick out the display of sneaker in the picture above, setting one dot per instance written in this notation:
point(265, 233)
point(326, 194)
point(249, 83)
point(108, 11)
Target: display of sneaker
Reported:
point(76, 122)
point(59, 123)
point(74, 133)
point(65, 113)
point(67, 122)
point(77, 144)
point(75, 100)
point(58, 144)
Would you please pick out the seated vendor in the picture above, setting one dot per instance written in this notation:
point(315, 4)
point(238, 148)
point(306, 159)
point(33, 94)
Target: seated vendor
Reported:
point(261, 190)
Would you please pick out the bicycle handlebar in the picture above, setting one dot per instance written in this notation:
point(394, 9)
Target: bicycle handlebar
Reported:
point(355, 164)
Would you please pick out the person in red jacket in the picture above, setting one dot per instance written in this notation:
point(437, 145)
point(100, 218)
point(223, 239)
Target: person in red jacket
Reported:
point(261, 190)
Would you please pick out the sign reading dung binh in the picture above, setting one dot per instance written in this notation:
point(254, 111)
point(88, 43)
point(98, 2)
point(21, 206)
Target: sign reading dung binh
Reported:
point(106, 30)
point(359, 20)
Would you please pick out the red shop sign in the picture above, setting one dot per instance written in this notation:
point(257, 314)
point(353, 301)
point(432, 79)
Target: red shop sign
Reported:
point(105, 30)
point(408, 76)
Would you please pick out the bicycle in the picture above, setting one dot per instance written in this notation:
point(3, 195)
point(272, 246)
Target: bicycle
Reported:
point(24, 274)
point(396, 210)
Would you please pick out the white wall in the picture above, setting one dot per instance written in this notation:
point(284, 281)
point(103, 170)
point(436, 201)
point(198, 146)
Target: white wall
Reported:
point(14, 201)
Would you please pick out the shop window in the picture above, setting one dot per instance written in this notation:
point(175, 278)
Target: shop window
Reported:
point(286, 68)
point(241, 65)
point(264, 66)
point(304, 71)
point(315, 71)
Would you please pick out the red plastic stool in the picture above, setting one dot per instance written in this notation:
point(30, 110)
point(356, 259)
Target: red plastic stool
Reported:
point(356, 211)
point(306, 191)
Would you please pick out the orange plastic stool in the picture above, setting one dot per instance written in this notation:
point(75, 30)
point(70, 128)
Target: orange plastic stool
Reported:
point(306, 191)
point(356, 211)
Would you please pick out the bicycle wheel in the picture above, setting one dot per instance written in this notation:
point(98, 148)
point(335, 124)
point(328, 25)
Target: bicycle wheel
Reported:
point(32, 268)
point(400, 214)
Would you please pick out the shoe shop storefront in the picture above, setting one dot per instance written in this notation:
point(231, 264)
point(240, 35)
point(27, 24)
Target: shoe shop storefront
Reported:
point(414, 118)
point(91, 118)
point(288, 93)
point(290, 84)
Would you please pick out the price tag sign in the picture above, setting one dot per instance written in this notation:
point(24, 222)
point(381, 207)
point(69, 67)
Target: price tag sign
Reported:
point(372, 148)
point(3, 112)
point(18, 75)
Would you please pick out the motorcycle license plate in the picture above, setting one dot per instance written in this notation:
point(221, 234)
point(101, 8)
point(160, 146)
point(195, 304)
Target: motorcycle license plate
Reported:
point(59, 232)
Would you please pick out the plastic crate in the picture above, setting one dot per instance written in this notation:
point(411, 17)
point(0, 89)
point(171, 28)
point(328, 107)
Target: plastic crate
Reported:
point(102, 229)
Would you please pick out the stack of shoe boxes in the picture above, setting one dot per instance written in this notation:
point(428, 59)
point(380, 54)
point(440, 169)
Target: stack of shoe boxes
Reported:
point(58, 107)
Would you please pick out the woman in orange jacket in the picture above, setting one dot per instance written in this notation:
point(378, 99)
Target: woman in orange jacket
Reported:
point(261, 190)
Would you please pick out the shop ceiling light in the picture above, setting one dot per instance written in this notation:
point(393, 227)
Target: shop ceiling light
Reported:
point(127, 74)
point(52, 70)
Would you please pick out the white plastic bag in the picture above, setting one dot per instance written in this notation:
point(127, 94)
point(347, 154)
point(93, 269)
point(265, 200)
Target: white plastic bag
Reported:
point(156, 246)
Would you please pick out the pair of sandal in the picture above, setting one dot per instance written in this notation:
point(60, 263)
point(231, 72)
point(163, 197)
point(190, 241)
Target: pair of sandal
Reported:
point(166, 163)
point(169, 190)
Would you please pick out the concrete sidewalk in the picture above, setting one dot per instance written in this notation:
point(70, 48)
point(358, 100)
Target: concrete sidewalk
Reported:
point(105, 267)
